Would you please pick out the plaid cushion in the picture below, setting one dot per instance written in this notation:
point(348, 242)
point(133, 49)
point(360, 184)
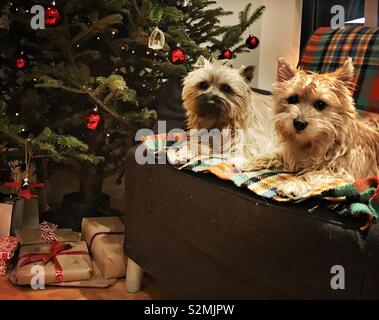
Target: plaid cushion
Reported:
point(327, 49)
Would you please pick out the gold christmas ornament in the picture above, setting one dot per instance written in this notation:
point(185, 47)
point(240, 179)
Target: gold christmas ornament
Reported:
point(156, 39)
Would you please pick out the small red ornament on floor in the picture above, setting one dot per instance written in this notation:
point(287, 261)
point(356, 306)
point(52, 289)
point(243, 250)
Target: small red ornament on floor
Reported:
point(177, 55)
point(53, 16)
point(94, 120)
point(252, 42)
point(226, 54)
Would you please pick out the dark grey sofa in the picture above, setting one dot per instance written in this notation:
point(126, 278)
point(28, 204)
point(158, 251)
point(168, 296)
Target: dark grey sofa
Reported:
point(205, 238)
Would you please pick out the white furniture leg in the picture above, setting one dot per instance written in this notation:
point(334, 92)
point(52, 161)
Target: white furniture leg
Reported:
point(134, 275)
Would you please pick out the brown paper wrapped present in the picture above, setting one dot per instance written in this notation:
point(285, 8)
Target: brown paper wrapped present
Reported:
point(96, 281)
point(69, 261)
point(105, 239)
point(34, 236)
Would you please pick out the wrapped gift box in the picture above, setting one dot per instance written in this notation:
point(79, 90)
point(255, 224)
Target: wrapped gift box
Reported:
point(96, 281)
point(11, 214)
point(62, 261)
point(8, 246)
point(105, 239)
point(34, 236)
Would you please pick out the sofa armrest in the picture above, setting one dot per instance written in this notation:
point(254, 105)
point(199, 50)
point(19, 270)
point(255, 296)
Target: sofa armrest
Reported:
point(371, 264)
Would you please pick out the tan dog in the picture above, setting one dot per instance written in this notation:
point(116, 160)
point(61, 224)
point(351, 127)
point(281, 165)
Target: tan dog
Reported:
point(217, 96)
point(322, 137)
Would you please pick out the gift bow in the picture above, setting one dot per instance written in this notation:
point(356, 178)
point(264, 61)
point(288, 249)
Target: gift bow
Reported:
point(48, 232)
point(27, 194)
point(56, 249)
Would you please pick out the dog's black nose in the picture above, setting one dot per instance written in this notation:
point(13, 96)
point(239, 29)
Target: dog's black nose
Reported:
point(209, 105)
point(300, 124)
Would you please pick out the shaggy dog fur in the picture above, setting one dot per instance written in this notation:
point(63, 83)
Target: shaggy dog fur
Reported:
point(217, 96)
point(322, 137)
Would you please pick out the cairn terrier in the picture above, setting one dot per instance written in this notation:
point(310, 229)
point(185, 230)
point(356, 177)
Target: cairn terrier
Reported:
point(322, 137)
point(217, 98)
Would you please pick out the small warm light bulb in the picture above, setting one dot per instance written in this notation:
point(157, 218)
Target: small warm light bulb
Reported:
point(78, 45)
point(17, 114)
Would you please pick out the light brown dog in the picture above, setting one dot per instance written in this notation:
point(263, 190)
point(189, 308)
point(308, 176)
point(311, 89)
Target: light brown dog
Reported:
point(217, 96)
point(322, 138)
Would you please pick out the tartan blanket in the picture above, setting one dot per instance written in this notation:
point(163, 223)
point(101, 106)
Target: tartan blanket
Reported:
point(358, 198)
point(327, 49)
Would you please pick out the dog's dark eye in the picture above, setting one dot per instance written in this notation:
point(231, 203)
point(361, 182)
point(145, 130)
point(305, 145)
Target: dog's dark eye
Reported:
point(226, 88)
point(319, 105)
point(293, 99)
point(203, 85)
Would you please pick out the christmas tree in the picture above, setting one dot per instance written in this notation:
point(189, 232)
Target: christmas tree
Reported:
point(75, 93)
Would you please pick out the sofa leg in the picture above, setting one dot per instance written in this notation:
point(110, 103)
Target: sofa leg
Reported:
point(134, 275)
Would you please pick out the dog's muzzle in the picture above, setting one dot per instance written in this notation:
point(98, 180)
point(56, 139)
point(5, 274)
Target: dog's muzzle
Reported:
point(299, 124)
point(210, 105)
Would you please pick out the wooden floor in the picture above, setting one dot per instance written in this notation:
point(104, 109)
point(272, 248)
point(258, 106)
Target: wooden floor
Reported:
point(151, 290)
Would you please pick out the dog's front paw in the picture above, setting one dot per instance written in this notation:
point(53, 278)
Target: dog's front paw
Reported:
point(256, 164)
point(252, 166)
point(292, 189)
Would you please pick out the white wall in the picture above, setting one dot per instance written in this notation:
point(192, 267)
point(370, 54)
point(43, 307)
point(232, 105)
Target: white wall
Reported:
point(279, 31)
point(251, 57)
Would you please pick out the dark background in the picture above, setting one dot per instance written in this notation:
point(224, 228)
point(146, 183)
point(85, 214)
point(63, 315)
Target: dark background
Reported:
point(316, 13)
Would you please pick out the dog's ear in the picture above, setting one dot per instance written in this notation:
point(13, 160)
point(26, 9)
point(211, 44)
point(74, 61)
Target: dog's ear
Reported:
point(285, 70)
point(247, 72)
point(201, 62)
point(346, 72)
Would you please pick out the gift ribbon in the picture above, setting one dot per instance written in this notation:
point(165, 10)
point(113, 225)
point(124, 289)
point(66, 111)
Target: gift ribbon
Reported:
point(102, 233)
point(56, 249)
point(122, 219)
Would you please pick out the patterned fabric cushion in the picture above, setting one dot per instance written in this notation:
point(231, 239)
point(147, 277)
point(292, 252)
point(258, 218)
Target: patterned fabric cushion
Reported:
point(327, 49)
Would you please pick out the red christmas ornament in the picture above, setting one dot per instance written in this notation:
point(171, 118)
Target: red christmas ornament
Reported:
point(226, 54)
point(53, 16)
point(20, 62)
point(94, 120)
point(177, 55)
point(252, 42)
